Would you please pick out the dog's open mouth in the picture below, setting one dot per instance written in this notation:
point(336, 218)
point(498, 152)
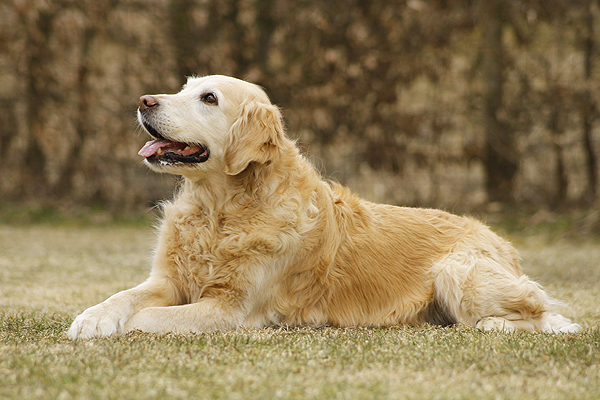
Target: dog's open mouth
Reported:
point(166, 151)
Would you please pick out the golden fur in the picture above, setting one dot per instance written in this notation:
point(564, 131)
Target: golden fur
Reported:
point(255, 237)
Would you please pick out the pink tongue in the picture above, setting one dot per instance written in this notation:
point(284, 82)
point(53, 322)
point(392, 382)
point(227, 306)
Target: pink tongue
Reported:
point(151, 147)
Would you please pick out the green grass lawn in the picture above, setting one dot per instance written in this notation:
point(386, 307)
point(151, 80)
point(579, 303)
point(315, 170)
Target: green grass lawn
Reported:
point(49, 274)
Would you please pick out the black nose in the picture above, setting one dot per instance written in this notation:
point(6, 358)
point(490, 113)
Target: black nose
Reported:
point(147, 102)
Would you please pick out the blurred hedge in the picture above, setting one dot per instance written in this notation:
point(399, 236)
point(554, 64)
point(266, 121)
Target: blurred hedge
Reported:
point(431, 103)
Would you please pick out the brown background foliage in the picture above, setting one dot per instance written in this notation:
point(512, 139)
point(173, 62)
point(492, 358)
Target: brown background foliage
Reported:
point(445, 103)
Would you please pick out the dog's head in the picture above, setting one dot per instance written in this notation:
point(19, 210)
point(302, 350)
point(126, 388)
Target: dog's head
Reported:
point(215, 123)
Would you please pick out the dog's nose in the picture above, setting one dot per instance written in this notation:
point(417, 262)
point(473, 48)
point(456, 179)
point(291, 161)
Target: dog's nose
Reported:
point(147, 102)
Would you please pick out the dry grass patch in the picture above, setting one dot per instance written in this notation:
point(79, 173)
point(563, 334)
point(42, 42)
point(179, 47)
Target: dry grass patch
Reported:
point(49, 274)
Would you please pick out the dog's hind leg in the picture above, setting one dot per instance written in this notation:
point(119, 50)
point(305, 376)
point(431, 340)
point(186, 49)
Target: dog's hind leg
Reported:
point(478, 290)
point(551, 323)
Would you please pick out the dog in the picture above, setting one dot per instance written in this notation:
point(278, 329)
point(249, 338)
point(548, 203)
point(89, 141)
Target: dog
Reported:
point(255, 237)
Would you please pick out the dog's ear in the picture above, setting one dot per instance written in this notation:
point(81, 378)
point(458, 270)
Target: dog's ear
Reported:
point(255, 136)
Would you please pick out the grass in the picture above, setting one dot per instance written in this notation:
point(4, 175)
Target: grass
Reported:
point(50, 273)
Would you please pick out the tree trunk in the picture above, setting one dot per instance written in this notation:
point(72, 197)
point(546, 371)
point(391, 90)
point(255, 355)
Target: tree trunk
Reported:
point(589, 108)
point(556, 128)
point(500, 158)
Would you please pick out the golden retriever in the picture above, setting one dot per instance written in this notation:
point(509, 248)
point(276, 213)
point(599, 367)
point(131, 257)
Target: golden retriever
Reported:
point(255, 237)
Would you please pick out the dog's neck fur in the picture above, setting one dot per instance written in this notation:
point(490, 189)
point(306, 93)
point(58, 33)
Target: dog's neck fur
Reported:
point(222, 194)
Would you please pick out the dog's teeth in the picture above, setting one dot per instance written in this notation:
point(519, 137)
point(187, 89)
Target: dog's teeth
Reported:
point(186, 148)
point(159, 151)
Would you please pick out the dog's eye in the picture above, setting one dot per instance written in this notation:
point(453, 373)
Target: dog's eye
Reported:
point(209, 98)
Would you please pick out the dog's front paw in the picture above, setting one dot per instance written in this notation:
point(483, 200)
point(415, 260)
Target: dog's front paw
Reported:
point(97, 321)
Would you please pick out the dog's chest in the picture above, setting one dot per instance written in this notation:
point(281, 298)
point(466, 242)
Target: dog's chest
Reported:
point(200, 252)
